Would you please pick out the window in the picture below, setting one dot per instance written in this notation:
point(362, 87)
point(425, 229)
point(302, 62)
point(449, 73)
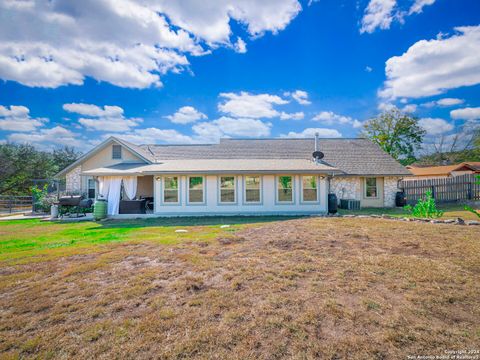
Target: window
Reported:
point(252, 189)
point(227, 189)
point(195, 189)
point(170, 189)
point(309, 188)
point(371, 187)
point(116, 152)
point(91, 188)
point(285, 189)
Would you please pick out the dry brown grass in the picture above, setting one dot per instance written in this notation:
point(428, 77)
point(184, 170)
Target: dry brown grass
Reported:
point(300, 289)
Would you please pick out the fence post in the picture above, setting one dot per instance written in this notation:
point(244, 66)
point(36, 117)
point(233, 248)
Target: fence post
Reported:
point(469, 191)
point(433, 191)
point(10, 204)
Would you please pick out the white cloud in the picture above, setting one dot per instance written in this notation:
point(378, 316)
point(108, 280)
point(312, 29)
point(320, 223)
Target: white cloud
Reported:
point(368, 69)
point(292, 116)
point(299, 96)
point(49, 138)
point(240, 46)
point(123, 42)
point(385, 106)
point(435, 126)
point(185, 115)
point(226, 126)
point(434, 66)
point(310, 133)
point(17, 118)
point(108, 118)
point(246, 105)
point(330, 118)
point(450, 102)
point(410, 108)
point(378, 14)
point(154, 136)
point(466, 113)
point(418, 5)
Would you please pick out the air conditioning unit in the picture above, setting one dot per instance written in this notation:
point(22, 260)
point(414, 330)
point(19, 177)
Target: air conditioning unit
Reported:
point(349, 204)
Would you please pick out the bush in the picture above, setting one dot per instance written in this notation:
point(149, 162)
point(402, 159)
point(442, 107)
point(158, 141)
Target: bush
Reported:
point(425, 208)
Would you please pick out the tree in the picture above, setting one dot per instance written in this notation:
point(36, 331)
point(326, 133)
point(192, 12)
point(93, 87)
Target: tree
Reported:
point(21, 163)
point(397, 133)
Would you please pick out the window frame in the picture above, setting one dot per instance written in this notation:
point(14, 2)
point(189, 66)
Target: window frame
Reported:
point(365, 187)
point(260, 190)
point(302, 189)
point(94, 188)
point(235, 190)
point(116, 146)
point(204, 188)
point(178, 190)
point(277, 188)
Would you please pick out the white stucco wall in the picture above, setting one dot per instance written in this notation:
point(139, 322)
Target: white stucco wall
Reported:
point(269, 204)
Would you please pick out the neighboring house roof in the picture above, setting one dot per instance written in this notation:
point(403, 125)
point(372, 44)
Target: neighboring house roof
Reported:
point(217, 166)
point(345, 156)
point(444, 170)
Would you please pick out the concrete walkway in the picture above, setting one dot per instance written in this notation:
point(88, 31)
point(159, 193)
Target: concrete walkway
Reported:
point(23, 216)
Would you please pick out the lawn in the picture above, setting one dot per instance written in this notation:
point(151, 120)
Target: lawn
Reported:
point(330, 288)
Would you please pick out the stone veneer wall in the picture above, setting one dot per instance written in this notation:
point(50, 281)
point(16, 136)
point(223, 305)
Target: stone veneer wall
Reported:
point(390, 188)
point(351, 188)
point(346, 187)
point(73, 180)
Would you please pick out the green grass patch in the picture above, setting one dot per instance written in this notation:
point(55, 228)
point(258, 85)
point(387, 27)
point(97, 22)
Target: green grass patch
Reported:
point(34, 240)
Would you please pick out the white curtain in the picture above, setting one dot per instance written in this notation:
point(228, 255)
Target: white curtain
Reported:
point(103, 186)
point(114, 195)
point(130, 186)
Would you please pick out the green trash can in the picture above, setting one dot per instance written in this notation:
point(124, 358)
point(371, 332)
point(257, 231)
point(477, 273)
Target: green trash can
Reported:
point(100, 209)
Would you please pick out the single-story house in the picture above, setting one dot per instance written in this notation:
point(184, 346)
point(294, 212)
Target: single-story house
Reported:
point(235, 176)
point(435, 172)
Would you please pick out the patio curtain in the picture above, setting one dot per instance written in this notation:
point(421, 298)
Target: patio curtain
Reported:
point(114, 195)
point(130, 186)
point(103, 186)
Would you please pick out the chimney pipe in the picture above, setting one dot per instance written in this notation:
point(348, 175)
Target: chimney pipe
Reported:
point(316, 141)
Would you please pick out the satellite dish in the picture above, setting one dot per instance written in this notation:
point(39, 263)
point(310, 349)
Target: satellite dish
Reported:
point(318, 155)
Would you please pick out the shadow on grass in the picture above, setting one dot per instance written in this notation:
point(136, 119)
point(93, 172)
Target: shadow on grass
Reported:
point(190, 221)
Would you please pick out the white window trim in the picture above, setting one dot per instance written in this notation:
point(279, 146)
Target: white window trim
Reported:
point(178, 190)
point(302, 188)
point(203, 190)
point(277, 200)
point(365, 187)
point(245, 190)
point(235, 189)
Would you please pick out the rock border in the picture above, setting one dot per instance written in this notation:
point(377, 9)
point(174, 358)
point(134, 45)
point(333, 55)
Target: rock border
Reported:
point(457, 221)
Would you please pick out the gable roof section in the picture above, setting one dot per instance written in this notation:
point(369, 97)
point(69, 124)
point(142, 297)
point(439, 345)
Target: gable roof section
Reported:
point(140, 152)
point(351, 156)
point(346, 156)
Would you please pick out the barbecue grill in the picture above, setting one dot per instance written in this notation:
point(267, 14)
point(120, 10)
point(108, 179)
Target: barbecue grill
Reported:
point(74, 204)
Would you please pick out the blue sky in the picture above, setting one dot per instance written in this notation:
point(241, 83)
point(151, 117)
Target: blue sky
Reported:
point(153, 71)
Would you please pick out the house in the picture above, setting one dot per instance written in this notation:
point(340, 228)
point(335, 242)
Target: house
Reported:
point(235, 176)
point(435, 172)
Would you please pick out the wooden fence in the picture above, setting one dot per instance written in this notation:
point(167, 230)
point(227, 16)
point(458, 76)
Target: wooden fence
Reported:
point(457, 188)
point(11, 204)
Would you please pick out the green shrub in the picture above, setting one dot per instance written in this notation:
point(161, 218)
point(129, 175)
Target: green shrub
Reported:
point(425, 208)
point(469, 208)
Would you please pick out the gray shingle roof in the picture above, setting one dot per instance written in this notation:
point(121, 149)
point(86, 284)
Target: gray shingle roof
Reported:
point(352, 156)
